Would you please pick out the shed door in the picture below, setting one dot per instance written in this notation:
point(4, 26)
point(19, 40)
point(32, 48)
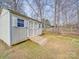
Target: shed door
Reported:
point(19, 33)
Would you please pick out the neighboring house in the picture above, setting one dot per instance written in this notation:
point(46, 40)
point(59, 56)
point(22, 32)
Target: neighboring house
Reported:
point(15, 27)
point(46, 24)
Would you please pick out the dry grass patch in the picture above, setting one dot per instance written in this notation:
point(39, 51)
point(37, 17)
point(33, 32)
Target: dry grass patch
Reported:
point(57, 47)
point(64, 46)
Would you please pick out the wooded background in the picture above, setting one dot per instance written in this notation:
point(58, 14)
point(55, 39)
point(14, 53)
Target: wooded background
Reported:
point(63, 15)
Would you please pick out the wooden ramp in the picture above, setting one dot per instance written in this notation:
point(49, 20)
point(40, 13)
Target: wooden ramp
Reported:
point(39, 40)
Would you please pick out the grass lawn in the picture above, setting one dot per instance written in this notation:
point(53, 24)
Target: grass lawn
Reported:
point(57, 47)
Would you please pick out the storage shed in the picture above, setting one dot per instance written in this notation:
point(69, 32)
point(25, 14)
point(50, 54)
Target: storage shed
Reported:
point(16, 27)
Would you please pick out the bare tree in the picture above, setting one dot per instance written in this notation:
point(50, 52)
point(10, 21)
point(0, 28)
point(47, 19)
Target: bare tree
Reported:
point(57, 14)
point(77, 14)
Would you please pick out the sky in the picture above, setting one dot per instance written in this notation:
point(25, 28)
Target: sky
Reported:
point(70, 7)
point(49, 10)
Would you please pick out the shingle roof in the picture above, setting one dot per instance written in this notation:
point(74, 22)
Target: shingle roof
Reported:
point(19, 14)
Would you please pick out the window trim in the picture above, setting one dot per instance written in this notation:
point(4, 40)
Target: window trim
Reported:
point(20, 23)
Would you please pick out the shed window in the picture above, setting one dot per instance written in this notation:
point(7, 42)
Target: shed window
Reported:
point(20, 23)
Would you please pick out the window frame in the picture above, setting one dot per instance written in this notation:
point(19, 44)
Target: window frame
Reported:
point(20, 23)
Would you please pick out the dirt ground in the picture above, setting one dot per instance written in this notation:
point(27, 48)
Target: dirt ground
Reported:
point(57, 47)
